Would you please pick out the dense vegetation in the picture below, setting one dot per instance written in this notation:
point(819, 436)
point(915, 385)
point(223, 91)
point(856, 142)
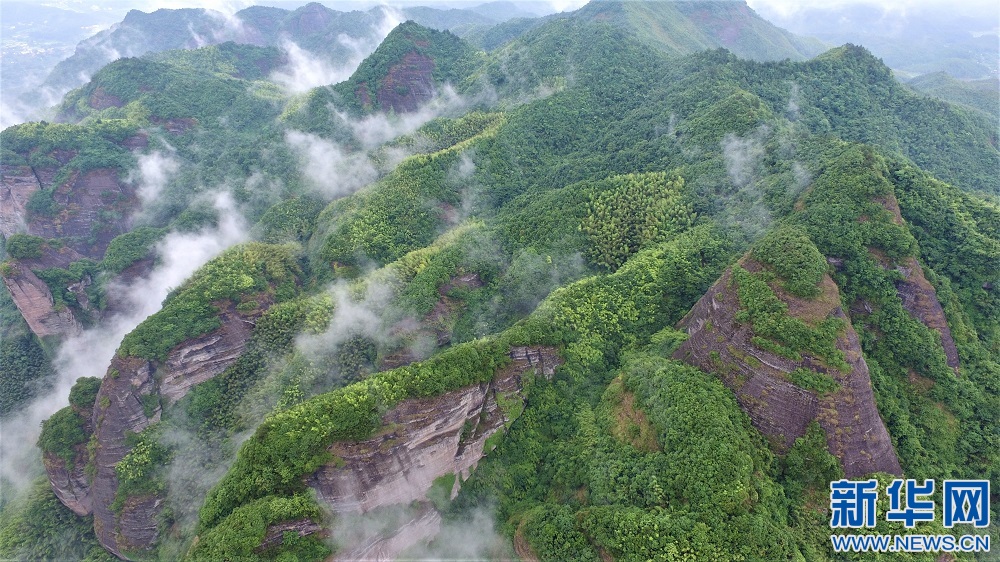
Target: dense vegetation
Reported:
point(585, 200)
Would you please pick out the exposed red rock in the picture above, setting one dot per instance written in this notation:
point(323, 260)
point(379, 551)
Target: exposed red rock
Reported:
point(422, 440)
point(101, 99)
point(119, 411)
point(198, 360)
point(34, 300)
point(778, 408)
point(71, 483)
point(408, 84)
point(95, 207)
point(129, 379)
point(920, 300)
point(275, 534)
point(17, 184)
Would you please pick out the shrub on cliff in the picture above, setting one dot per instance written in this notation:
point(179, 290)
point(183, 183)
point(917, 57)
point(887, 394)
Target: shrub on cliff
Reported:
point(794, 258)
point(25, 246)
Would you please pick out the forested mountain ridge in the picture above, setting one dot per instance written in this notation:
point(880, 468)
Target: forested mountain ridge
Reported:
point(569, 297)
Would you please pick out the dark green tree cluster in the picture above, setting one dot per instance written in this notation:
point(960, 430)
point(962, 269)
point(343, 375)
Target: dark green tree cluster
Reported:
point(632, 212)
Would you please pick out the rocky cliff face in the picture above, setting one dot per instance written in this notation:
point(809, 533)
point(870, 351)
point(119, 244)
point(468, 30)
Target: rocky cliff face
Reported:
point(918, 296)
point(70, 481)
point(778, 408)
point(92, 209)
point(920, 300)
point(198, 360)
point(34, 300)
point(421, 441)
point(408, 85)
point(17, 183)
point(121, 410)
point(421, 527)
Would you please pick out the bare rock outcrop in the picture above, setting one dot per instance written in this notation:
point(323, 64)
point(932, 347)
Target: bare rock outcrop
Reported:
point(198, 360)
point(408, 84)
point(120, 410)
point(917, 294)
point(70, 483)
point(779, 409)
point(275, 534)
point(94, 208)
point(920, 300)
point(422, 440)
point(69, 480)
point(17, 184)
point(34, 300)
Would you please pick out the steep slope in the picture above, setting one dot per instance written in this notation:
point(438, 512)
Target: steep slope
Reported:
point(783, 394)
point(331, 34)
point(202, 330)
point(407, 69)
point(565, 232)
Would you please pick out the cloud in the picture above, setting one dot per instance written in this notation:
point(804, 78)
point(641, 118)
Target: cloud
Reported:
point(742, 156)
point(744, 208)
point(306, 70)
point(89, 353)
point(330, 170)
point(379, 128)
point(154, 171)
point(367, 314)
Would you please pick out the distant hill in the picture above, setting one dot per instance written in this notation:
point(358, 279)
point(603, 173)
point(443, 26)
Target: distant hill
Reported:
point(677, 28)
point(983, 94)
point(959, 39)
point(331, 34)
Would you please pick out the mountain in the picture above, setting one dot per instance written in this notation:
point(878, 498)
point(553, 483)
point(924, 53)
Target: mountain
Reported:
point(678, 28)
point(913, 40)
point(591, 294)
point(405, 71)
point(330, 34)
point(983, 95)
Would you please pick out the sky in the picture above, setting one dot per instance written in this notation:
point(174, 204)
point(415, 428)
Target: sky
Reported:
point(783, 7)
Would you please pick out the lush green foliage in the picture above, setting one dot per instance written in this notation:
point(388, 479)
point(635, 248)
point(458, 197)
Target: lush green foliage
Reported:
point(61, 433)
point(25, 246)
point(240, 535)
point(781, 333)
point(794, 258)
point(83, 394)
point(192, 309)
point(130, 247)
point(23, 365)
point(140, 472)
point(631, 212)
point(39, 527)
point(580, 153)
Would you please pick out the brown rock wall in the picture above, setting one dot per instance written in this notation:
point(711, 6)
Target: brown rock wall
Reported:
point(198, 360)
point(778, 408)
point(34, 301)
point(118, 411)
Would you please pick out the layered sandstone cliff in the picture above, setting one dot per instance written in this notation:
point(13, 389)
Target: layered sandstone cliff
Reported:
point(124, 408)
point(34, 301)
point(421, 441)
point(778, 408)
